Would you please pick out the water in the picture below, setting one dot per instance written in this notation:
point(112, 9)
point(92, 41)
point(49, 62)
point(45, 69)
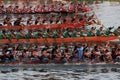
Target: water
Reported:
point(56, 75)
point(108, 13)
point(60, 72)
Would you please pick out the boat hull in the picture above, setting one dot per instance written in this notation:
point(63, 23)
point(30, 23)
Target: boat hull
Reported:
point(59, 40)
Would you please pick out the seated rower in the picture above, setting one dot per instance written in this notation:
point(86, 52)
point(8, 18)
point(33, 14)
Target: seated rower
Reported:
point(16, 9)
point(46, 34)
point(65, 33)
point(2, 9)
point(65, 56)
point(9, 34)
point(18, 22)
point(1, 34)
point(107, 55)
point(4, 34)
point(100, 32)
point(27, 33)
point(34, 56)
point(19, 34)
point(55, 55)
point(9, 9)
point(108, 31)
point(117, 31)
point(95, 56)
point(83, 31)
point(24, 9)
point(30, 21)
point(74, 33)
point(36, 33)
point(86, 55)
point(29, 10)
point(91, 32)
point(55, 33)
point(45, 56)
point(7, 22)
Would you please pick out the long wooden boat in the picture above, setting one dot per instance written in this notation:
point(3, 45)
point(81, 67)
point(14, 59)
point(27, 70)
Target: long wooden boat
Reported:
point(66, 25)
point(60, 40)
point(46, 25)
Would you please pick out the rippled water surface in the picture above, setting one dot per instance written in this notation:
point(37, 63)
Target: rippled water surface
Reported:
point(60, 72)
point(59, 75)
point(108, 13)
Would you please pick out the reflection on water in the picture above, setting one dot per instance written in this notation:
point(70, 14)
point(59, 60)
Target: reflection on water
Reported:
point(108, 13)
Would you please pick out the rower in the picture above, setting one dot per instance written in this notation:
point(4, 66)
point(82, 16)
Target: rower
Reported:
point(9, 34)
point(91, 32)
point(16, 9)
point(19, 34)
point(26, 33)
point(37, 21)
point(7, 22)
point(65, 32)
point(35, 34)
point(18, 22)
point(1, 34)
point(29, 9)
point(2, 9)
point(74, 33)
point(117, 31)
point(37, 8)
point(54, 34)
point(100, 32)
point(45, 33)
point(108, 31)
point(24, 9)
point(9, 9)
point(83, 31)
point(30, 21)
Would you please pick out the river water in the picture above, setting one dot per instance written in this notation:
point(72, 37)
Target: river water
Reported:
point(60, 72)
point(108, 13)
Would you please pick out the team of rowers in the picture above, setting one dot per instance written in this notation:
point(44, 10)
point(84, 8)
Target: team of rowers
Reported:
point(59, 53)
point(56, 53)
point(53, 18)
point(57, 33)
point(55, 6)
